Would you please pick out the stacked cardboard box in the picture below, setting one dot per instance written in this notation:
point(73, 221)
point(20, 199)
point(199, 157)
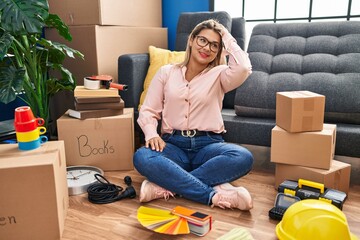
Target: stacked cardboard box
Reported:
point(302, 146)
point(105, 29)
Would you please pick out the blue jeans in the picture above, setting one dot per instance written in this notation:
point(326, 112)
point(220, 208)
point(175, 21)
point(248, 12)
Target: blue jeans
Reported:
point(190, 167)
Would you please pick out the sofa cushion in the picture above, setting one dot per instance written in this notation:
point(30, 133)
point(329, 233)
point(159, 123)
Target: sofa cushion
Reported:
point(319, 57)
point(159, 57)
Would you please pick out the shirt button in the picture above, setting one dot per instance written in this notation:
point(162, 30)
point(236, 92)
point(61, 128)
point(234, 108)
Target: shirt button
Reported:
point(185, 116)
point(187, 85)
point(186, 100)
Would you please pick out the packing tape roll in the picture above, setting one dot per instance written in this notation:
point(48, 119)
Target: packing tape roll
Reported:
point(91, 84)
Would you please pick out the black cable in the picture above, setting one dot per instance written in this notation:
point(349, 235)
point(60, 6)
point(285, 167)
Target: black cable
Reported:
point(106, 192)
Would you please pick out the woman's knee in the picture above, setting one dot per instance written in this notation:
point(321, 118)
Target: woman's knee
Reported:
point(140, 156)
point(245, 157)
point(249, 158)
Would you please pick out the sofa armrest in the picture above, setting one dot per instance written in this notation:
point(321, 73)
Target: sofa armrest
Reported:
point(132, 70)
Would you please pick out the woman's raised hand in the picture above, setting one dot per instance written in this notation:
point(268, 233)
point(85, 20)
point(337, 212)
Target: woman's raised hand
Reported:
point(224, 30)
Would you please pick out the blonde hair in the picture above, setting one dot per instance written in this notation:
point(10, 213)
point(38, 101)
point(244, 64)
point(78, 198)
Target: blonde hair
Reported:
point(207, 24)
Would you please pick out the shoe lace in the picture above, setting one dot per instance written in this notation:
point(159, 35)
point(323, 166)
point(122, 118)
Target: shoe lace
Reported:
point(164, 193)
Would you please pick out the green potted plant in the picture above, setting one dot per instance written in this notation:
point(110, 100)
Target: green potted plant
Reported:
point(30, 65)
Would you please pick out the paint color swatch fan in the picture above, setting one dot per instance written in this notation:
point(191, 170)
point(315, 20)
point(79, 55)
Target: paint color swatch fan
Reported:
point(180, 220)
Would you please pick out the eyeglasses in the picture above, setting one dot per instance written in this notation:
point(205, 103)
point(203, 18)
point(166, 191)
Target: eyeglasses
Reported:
point(203, 42)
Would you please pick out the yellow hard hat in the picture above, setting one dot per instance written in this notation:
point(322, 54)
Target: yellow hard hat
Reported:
point(313, 219)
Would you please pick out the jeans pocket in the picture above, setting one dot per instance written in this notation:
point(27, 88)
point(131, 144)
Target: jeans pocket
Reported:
point(216, 137)
point(166, 136)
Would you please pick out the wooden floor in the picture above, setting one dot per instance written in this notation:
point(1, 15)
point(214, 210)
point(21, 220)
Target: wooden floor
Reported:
point(118, 220)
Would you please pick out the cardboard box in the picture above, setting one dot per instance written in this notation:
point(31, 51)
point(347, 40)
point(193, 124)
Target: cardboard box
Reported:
point(102, 46)
point(337, 177)
point(141, 13)
point(107, 143)
point(309, 149)
point(34, 195)
point(300, 111)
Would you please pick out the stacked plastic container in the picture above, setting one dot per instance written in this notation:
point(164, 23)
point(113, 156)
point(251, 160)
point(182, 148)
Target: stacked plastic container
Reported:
point(28, 129)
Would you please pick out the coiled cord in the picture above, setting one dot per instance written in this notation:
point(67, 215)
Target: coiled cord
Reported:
point(106, 192)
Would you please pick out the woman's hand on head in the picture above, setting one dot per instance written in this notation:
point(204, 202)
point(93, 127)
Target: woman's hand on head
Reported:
point(156, 144)
point(224, 30)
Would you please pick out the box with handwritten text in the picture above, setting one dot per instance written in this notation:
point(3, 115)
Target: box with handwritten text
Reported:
point(34, 195)
point(106, 142)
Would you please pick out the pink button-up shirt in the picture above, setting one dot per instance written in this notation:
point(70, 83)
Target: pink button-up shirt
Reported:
point(184, 105)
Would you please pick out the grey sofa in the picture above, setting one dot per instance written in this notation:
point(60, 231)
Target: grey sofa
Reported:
point(322, 57)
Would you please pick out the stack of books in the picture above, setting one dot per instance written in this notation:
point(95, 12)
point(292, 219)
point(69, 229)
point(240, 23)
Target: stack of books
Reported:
point(180, 220)
point(96, 103)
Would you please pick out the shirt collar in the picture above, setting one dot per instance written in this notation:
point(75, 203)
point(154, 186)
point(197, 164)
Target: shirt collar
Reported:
point(184, 68)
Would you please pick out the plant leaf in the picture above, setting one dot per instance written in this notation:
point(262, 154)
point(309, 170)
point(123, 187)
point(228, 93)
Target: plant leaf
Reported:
point(70, 52)
point(11, 80)
point(58, 51)
point(23, 16)
point(55, 21)
point(67, 82)
point(5, 42)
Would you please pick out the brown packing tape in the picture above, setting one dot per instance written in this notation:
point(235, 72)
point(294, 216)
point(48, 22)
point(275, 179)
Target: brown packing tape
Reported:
point(309, 104)
point(307, 122)
point(308, 93)
point(337, 180)
point(298, 93)
point(308, 108)
point(334, 144)
point(304, 93)
point(59, 157)
point(98, 124)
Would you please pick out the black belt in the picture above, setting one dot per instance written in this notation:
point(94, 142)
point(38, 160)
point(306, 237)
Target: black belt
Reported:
point(193, 133)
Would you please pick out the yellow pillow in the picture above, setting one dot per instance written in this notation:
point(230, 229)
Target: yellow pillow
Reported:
point(159, 57)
